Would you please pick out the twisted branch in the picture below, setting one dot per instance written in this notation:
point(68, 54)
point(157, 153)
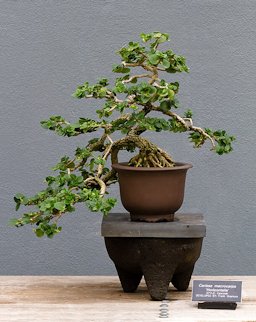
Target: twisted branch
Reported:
point(100, 182)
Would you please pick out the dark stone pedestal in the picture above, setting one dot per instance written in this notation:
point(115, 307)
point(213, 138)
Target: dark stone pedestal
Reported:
point(163, 252)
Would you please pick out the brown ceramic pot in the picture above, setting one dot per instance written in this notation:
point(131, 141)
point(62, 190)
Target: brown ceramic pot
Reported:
point(152, 194)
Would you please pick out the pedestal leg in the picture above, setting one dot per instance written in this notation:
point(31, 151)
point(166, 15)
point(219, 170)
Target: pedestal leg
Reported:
point(129, 281)
point(158, 280)
point(181, 280)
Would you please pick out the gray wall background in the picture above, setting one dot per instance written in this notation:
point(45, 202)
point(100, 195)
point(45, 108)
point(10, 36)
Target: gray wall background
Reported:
point(50, 47)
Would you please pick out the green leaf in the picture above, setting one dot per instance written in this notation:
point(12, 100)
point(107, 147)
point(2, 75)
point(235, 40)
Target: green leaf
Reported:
point(103, 81)
point(119, 88)
point(39, 233)
point(153, 59)
point(13, 222)
point(145, 37)
point(188, 114)
point(171, 94)
point(19, 200)
point(165, 105)
point(60, 205)
point(120, 69)
point(144, 99)
point(82, 153)
point(18, 196)
point(171, 70)
point(166, 63)
point(163, 38)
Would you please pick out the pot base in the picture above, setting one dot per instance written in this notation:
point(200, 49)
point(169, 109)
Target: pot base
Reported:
point(152, 218)
point(160, 260)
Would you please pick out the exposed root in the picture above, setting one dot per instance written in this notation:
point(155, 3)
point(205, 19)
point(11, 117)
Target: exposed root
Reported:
point(149, 156)
point(150, 159)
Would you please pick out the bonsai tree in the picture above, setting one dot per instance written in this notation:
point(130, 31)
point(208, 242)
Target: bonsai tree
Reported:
point(124, 110)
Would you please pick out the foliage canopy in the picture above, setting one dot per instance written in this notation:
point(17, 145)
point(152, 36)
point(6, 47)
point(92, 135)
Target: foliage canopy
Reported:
point(125, 109)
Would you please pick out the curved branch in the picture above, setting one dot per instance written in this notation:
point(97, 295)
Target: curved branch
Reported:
point(189, 127)
point(105, 155)
point(100, 182)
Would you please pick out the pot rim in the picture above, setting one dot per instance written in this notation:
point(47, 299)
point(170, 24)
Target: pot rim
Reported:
point(125, 166)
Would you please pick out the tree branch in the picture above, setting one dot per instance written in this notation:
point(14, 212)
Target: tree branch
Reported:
point(100, 182)
point(183, 121)
point(135, 76)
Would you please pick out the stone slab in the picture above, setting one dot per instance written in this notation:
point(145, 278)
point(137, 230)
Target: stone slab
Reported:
point(183, 226)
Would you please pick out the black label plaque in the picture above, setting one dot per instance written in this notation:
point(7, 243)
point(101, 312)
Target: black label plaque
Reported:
point(217, 291)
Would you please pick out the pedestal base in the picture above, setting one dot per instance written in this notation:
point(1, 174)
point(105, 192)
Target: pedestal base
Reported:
point(162, 252)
